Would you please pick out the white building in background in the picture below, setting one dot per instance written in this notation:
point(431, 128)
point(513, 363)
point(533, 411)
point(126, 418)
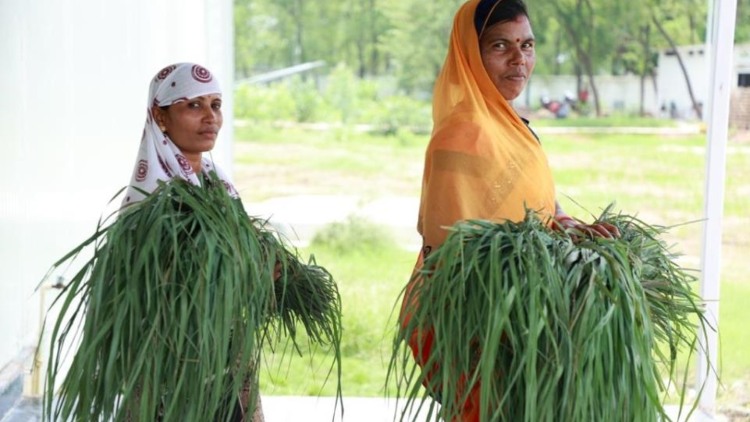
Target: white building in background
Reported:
point(673, 96)
point(668, 96)
point(73, 94)
point(671, 82)
point(742, 65)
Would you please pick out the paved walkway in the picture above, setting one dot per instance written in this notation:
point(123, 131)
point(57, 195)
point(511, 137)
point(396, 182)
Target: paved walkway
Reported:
point(275, 409)
point(302, 409)
point(358, 409)
point(299, 217)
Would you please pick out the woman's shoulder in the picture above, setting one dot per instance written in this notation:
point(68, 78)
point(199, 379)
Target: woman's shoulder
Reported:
point(460, 131)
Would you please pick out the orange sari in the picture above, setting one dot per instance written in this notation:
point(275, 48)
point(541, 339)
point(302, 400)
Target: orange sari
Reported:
point(482, 162)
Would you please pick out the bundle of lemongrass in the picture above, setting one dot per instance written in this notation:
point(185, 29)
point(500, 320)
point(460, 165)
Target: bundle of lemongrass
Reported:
point(548, 325)
point(172, 310)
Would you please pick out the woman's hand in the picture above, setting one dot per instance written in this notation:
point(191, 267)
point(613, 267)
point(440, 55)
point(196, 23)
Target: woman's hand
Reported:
point(277, 271)
point(565, 222)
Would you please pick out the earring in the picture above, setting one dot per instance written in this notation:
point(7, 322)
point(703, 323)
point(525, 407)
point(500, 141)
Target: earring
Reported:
point(162, 128)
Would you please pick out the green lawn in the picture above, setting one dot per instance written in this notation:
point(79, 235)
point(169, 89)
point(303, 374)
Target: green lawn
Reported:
point(659, 178)
point(609, 121)
point(296, 161)
point(370, 281)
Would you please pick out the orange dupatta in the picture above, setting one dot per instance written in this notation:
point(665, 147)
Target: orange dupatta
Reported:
point(482, 162)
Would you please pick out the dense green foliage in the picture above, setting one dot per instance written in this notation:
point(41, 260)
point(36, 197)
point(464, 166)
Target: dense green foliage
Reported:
point(354, 233)
point(172, 311)
point(371, 269)
point(568, 327)
point(345, 100)
point(407, 39)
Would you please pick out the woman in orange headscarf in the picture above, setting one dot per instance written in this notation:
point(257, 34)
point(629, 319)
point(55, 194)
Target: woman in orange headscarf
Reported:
point(483, 161)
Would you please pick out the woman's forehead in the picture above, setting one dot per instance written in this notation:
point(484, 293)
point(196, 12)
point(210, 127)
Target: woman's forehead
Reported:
point(206, 97)
point(519, 28)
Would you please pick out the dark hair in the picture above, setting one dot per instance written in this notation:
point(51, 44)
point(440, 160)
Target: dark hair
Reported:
point(490, 12)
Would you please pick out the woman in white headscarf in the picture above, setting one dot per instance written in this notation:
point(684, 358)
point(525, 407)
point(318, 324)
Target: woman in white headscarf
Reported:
point(184, 116)
point(183, 120)
point(171, 313)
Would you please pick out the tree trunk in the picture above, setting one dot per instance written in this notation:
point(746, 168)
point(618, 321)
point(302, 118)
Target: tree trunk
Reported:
point(696, 106)
point(588, 68)
point(655, 86)
point(298, 50)
point(374, 67)
point(588, 64)
point(584, 59)
point(361, 69)
point(595, 93)
point(645, 64)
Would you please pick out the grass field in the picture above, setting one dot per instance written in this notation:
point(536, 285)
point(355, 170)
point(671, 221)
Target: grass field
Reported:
point(659, 178)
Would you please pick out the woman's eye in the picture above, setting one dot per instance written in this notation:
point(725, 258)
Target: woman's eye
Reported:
point(216, 106)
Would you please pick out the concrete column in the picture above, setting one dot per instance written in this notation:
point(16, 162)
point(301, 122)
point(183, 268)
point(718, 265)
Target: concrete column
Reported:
point(74, 85)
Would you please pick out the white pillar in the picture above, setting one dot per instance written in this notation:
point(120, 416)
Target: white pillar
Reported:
point(720, 47)
point(220, 53)
point(74, 86)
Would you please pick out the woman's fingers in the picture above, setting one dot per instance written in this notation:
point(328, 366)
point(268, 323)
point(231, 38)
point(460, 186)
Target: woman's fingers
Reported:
point(597, 229)
point(611, 228)
point(600, 230)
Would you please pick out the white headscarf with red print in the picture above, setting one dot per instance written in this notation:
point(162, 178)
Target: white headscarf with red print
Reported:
point(158, 157)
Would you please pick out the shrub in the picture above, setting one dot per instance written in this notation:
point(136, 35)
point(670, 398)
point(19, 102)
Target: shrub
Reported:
point(355, 234)
point(341, 92)
point(401, 112)
point(264, 103)
point(308, 104)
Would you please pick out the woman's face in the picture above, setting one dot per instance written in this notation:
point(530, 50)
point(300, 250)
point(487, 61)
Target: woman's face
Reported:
point(193, 124)
point(507, 50)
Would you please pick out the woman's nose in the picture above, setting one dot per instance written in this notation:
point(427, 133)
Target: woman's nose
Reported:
point(517, 57)
point(210, 114)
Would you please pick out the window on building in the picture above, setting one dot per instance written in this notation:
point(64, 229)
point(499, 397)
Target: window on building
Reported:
point(743, 80)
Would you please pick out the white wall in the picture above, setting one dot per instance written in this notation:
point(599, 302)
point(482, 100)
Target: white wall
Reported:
point(672, 85)
point(73, 90)
point(616, 93)
point(623, 93)
point(741, 60)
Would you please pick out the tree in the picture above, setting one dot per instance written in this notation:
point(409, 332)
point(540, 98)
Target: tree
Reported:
point(677, 22)
point(636, 56)
point(589, 34)
point(417, 40)
point(366, 24)
point(647, 63)
point(281, 33)
point(408, 39)
point(260, 44)
point(742, 31)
